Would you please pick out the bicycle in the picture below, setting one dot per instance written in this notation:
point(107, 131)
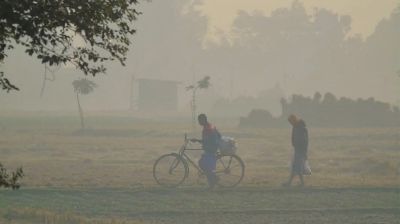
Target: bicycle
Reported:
point(171, 170)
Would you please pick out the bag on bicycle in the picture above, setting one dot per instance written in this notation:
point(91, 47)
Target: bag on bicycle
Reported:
point(227, 146)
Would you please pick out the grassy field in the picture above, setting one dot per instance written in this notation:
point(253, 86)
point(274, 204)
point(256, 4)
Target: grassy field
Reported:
point(104, 174)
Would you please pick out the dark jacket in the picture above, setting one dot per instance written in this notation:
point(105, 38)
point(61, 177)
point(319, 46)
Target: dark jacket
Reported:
point(300, 137)
point(210, 138)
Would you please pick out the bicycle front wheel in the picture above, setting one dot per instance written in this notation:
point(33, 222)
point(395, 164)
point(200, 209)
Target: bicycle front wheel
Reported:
point(229, 170)
point(170, 170)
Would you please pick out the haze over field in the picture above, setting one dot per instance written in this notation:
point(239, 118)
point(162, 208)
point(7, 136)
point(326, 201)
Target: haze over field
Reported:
point(227, 111)
point(247, 47)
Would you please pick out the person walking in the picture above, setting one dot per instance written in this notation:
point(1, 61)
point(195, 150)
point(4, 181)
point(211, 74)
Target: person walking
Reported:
point(300, 145)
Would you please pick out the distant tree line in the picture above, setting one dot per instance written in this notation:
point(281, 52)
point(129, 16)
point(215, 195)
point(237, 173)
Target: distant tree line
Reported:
point(241, 105)
point(328, 111)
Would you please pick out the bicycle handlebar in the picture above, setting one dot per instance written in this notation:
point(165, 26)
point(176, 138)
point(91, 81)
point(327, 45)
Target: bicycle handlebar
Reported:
point(187, 140)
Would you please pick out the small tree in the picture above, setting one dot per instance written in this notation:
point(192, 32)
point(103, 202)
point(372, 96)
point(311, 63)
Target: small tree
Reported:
point(82, 87)
point(201, 84)
point(8, 180)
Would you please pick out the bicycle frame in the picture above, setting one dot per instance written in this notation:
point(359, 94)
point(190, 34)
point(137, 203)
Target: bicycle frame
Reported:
point(183, 157)
point(186, 157)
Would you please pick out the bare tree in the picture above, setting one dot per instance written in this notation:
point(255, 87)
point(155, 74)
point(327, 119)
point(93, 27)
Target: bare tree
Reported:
point(82, 87)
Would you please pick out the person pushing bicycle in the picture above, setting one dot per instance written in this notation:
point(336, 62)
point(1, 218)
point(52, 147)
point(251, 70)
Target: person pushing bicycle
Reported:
point(219, 162)
point(209, 142)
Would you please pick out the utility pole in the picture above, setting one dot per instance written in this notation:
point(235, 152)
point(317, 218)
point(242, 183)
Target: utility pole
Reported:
point(46, 78)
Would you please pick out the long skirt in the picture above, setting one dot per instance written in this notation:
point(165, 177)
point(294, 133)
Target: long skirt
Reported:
point(298, 163)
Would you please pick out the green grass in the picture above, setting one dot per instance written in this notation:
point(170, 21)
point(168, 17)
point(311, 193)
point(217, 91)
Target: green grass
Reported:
point(126, 202)
point(161, 204)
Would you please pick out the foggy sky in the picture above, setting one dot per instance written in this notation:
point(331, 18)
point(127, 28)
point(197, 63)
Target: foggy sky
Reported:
point(173, 43)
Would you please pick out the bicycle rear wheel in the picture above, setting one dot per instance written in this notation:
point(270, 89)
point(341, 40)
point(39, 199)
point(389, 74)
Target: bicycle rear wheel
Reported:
point(229, 170)
point(170, 170)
